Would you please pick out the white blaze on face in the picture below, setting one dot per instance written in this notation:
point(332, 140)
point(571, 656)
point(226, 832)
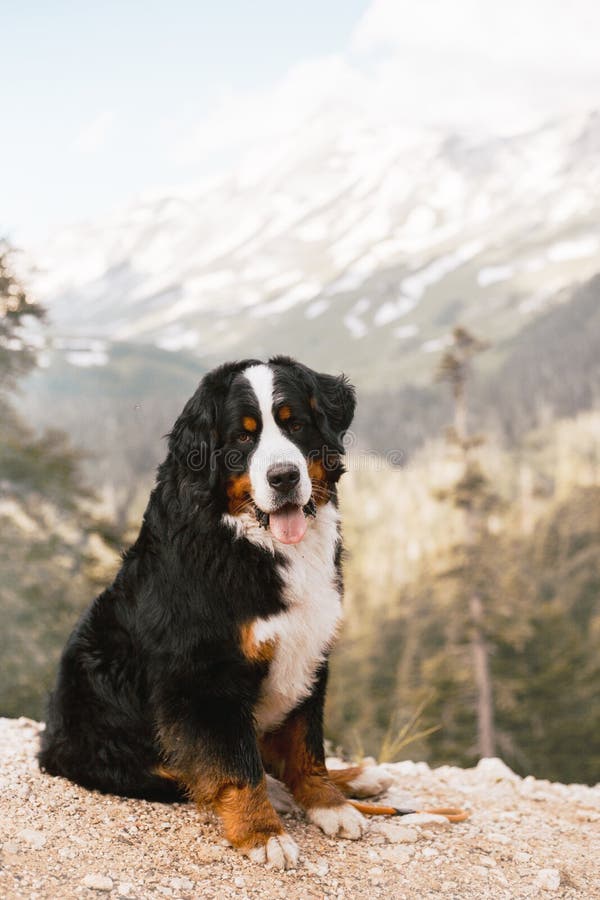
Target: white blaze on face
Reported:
point(273, 446)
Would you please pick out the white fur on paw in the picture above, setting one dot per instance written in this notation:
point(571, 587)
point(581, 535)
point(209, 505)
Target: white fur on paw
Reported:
point(373, 780)
point(280, 797)
point(343, 820)
point(280, 852)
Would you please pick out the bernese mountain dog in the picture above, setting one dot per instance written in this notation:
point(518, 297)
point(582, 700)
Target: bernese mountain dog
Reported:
point(204, 666)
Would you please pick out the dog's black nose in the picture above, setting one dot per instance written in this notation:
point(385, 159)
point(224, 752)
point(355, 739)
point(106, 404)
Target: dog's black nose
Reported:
point(283, 477)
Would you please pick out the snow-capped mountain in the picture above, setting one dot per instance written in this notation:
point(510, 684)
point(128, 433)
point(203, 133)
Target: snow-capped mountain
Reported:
point(353, 245)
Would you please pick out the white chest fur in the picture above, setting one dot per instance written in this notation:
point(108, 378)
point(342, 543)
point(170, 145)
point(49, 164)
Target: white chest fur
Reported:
point(302, 633)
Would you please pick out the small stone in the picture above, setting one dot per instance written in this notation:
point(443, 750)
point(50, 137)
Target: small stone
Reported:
point(398, 834)
point(521, 857)
point(548, 879)
point(33, 837)
point(124, 888)
point(181, 884)
point(97, 882)
point(480, 870)
point(498, 838)
point(587, 815)
point(239, 882)
point(319, 867)
point(488, 861)
point(10, 847)
point(208, 853)
point(494, 769)
point(399, 856)
point(375, 875)
point(429, 852)
point(425, 819)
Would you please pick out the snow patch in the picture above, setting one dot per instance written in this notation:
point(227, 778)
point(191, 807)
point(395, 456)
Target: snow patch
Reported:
point(403, 332)
point(580, 248)
point(313, 231)
point(176, 338)
point(352, 320)
point(316, 309)
point(297, 294)
point(85, 358)
point(415, 285)
point(391, 310)
point(493, 274)
point(436, 344)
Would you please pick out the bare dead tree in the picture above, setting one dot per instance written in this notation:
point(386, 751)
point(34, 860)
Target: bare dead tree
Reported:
point(470, 495)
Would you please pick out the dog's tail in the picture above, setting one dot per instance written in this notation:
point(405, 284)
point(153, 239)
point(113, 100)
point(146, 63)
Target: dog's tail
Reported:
point(354, 781)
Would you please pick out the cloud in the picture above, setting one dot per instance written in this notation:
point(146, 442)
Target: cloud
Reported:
point(473, 64)
point(534, 33)
point(95, 135)
point(478, 62)
point(239, 121)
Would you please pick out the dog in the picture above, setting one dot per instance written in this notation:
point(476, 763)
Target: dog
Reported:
point(203, 667)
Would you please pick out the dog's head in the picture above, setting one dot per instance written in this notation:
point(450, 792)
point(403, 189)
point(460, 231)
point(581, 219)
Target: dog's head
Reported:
point(266, 440)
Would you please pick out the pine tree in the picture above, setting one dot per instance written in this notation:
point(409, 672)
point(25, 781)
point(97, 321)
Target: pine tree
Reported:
point(17, 355)
point(52, 542)
point(472, 494)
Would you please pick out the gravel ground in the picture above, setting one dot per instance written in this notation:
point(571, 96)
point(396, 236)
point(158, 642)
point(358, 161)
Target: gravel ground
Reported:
point(525, 838)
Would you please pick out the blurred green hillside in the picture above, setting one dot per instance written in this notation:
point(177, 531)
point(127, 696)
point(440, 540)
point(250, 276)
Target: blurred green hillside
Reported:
point(406, 646)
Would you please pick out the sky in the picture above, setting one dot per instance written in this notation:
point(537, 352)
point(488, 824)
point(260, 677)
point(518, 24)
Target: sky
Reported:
point(105, 102)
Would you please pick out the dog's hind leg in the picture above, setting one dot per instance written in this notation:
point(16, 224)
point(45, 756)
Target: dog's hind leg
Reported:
point(361, 781)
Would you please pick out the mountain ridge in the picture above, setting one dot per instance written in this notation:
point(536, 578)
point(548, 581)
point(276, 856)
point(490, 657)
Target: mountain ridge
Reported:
point(357, 244)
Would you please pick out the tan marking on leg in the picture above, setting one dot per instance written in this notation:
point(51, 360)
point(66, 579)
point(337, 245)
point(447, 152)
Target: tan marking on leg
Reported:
point(183, 764)
point(248, 817)
point(285, 754)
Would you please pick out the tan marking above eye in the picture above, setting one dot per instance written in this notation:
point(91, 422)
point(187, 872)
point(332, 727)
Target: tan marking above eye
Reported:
point(285, 413)
point(249, 423)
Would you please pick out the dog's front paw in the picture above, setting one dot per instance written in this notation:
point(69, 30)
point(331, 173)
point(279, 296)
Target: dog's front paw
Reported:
point(278, 852)
point(343, 820)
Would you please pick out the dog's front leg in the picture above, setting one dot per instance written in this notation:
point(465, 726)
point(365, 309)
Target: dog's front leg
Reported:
point(211, 748)
point(295, 754)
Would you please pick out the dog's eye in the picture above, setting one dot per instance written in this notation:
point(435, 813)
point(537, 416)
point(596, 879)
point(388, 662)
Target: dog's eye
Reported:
point(296, 426)
point(244, 437)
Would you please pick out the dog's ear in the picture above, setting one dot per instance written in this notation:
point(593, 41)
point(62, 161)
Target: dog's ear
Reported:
point(332, 398)
point(333, 402)
point(195, 438)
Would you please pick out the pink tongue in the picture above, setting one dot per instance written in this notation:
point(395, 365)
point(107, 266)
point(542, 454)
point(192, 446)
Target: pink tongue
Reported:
point(288, 525)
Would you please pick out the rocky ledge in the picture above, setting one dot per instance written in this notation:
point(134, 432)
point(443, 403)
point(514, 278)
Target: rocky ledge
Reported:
point(525, 838)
